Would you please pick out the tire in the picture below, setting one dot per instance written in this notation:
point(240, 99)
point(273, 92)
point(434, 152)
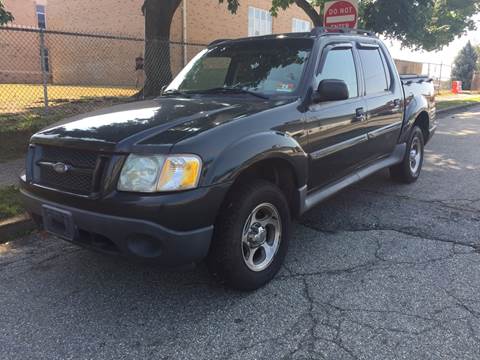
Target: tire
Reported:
point(251, 236)
point(408, 171)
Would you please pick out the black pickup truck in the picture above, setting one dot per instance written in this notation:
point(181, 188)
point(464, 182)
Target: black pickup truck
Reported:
point(252, 133)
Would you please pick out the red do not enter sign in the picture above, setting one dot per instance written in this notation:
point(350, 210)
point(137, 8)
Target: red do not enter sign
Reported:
point(341, 14)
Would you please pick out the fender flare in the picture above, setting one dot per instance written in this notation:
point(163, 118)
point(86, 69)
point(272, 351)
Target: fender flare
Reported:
point(416, 107)
point(241, 155)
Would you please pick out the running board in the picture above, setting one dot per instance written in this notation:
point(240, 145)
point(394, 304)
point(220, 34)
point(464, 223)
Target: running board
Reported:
point(309, 201)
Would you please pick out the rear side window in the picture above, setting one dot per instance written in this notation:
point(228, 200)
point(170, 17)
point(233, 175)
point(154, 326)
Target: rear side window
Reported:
point(374, 71)
point(339, 65)
point(387, 70)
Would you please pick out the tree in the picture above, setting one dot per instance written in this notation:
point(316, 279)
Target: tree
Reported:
point(464, 66)
point(419, 24)
point(477, 49)
point(5, 16)
point(158, 20)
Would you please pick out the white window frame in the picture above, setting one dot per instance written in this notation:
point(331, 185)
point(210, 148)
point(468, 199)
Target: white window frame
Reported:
point(44, 13)
point(259, 22)
point(299, 25)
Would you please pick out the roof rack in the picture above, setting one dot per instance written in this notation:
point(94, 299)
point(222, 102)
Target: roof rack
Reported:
point(218, 41)
point(342, 30)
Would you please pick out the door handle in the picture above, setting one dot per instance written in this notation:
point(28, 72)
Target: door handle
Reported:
point(360, 115)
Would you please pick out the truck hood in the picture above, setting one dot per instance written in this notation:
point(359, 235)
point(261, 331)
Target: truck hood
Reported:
point(160, 121)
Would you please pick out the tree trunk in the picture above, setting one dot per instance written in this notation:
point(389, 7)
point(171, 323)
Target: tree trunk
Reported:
point(316, 18)
point(158, 20)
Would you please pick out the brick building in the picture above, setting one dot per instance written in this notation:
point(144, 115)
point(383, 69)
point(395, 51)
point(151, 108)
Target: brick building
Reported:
point(196, 21)
point(96, 61)
point(20, 59)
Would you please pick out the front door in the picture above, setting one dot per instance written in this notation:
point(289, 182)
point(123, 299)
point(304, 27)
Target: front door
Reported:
point(336, 130)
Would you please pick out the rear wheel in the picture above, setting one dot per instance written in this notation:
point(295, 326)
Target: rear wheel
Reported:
point(251, 236)
point(408, 171)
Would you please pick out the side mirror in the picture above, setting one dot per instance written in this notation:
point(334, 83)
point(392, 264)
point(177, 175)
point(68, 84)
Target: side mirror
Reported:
point(164, 87)
point(331, 90)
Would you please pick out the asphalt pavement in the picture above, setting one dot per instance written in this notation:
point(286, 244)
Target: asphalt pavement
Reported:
point(381, 271)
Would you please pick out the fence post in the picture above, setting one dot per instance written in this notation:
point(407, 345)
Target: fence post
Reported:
point(44, 69)
point(440, 77)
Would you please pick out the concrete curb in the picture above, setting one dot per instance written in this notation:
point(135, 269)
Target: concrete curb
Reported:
point(456, 108)
point(15, 226)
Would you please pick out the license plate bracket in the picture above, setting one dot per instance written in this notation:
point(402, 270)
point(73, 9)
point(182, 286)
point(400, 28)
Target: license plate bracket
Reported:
point(58, 222)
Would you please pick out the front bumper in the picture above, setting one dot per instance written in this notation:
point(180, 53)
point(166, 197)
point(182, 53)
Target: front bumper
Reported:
point(140, 238)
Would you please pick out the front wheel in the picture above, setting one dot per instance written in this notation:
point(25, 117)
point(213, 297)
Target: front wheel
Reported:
point(251, 236)
point(408, 171)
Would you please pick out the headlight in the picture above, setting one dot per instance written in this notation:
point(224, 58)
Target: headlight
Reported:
point(157, 173)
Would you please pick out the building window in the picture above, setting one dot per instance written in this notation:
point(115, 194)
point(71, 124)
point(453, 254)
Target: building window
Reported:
point(46, 60)
point(259, 22)
point(41, 16)
point(301, 25)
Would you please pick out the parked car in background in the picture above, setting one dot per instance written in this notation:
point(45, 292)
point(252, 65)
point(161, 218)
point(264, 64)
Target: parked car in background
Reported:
point(251, 134)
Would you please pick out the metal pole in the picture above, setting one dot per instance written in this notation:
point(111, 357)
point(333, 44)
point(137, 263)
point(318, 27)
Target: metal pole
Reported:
point(440, 78)
point(44, 69)
point(185, 39)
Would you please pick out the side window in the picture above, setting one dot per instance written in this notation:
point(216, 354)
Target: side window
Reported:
point(374, 71)
point(339, 65)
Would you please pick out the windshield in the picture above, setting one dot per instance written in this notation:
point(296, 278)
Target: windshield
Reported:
point(268, 67)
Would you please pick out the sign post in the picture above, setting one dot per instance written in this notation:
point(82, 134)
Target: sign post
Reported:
point(341, 13)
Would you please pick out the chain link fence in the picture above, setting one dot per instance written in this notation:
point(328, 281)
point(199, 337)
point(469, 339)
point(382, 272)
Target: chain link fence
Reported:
point(47, 75)
point(65, 72)
point(440, 73)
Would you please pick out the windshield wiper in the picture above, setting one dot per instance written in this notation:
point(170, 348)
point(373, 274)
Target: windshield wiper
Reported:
point(176, 93)
point(232, 90)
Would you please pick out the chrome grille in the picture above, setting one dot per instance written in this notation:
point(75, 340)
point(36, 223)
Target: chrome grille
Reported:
point(80, 170)
point(74, 157)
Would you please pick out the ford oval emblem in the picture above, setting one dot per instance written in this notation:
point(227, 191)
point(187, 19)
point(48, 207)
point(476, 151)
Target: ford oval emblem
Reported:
point(61, 168)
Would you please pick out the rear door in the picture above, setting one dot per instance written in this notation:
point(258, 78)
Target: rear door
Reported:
point(384, 99)
point(336, 132)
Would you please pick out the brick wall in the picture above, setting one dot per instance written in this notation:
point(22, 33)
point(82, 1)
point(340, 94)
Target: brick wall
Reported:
point(408, 67)
point(20, 57)
point(207, 19)
point(211, 20)
point(97, 16)
point(81, 60)
point(23, 11)
point(476, 81)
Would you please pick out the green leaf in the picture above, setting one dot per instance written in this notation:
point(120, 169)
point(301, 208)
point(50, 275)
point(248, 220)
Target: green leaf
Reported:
point(5, 16)
point(419, 24)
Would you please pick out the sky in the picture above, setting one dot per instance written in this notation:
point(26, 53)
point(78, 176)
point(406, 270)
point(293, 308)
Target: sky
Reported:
point(446, 55)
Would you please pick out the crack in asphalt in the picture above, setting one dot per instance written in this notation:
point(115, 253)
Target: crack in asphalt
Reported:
point(444, 203)
point(399, 297)
point(409, 231)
